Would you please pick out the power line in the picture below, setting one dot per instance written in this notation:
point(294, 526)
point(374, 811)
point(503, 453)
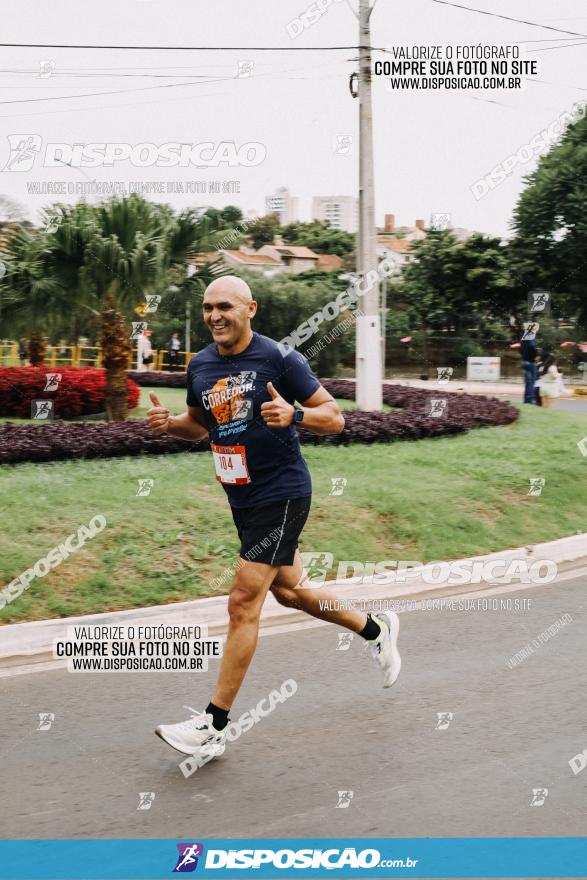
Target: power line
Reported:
point(547, 40)
point(508, 18)
point(118, 91)
point(200, 81)
point(87, 73)
point(184, 48)
point(91, 109)
point(550, 48)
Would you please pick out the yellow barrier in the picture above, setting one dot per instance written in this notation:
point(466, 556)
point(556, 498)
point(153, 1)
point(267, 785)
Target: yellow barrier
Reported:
point(88, 356)
point(9, 354)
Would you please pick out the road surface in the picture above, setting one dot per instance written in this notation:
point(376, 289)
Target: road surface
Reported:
point(512, 731)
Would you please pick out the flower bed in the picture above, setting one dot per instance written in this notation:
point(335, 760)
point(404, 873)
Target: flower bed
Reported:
point(75, 391)
point(59, 440)
point(415, 421)
point(157, 378)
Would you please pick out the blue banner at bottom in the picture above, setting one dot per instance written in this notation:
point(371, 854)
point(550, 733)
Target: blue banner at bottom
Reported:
point(525, 857)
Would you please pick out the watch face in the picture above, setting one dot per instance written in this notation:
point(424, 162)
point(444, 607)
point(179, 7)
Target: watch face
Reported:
point(298, 415)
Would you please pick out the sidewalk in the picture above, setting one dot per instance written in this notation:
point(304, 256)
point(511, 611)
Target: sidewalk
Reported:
point(490, 389)
point(506, 388)
point(29, 645)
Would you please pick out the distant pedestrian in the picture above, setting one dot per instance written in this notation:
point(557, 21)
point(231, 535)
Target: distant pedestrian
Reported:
point(550, 381)
point(540, 365)
point(145, 351)
point(173, 346)
point(23, 351)
point(528, 352)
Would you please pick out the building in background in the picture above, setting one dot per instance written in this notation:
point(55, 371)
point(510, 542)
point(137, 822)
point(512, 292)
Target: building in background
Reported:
point(284, 205)
point(246, 259)
point(341, 212)
point(395, 249)
point(329, 263)
point(293, 259)
point(409, 233)
point(396, 242)
point(271, 259)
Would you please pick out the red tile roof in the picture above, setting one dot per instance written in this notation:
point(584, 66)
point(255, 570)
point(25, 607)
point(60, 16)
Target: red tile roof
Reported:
point(399, 245)
point(298, 252)
point(252, 258)
point(329, 262)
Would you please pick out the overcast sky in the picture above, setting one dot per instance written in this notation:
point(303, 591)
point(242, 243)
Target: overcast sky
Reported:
point(430, 147)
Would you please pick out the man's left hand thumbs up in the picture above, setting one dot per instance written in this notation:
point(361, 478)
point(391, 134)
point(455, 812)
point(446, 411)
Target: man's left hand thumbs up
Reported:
point(277, 412)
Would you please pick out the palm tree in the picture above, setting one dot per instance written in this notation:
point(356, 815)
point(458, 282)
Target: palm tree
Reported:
point(99, 261)
point(110, 256)
point(116, 350)
point(30, 298)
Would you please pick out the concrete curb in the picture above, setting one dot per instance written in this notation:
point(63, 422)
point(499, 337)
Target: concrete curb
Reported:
point(484, 388)
point(464, 386)
point(28, 644)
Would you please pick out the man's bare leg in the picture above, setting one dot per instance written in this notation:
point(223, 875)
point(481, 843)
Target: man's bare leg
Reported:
point(249, 588)
point(310, 600)
point(288, 589)
point(200, 735)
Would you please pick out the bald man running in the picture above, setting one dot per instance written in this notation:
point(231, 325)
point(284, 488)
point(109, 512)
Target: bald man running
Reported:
point(241, 392)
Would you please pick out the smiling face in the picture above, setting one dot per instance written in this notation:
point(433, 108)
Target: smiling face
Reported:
point(228, 307)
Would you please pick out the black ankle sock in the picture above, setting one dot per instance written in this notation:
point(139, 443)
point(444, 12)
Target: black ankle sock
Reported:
point(371, 629)
point(219, 716)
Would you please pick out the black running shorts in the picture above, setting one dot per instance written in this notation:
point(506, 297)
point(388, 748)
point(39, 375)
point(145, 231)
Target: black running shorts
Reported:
point(269, 533)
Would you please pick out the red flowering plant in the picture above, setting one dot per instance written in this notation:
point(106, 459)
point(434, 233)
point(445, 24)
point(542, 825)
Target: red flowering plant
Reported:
point(75, 391)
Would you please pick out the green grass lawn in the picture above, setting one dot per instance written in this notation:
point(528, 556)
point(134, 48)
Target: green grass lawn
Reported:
point(174, 398)
point(425, 500)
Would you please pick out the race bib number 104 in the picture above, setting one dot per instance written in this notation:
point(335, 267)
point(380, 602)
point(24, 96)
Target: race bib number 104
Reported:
point(230, 463)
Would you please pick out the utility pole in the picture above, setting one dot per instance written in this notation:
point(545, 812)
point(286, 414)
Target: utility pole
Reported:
point(368, 357)
point(383, 323)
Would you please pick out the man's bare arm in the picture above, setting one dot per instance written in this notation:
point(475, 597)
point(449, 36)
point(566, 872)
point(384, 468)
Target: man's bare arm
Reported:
point(188, 426)
point(321, 412)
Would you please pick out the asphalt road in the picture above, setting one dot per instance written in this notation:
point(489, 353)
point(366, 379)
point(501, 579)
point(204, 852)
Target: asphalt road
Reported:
point(573, 404)
point(512, 731)
point(566, 404)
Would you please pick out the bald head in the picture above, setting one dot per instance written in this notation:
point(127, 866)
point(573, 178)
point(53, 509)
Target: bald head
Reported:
point(228, 307)
point(230, 286)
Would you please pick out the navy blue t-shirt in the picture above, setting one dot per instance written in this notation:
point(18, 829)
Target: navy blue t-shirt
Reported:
point(255, 464)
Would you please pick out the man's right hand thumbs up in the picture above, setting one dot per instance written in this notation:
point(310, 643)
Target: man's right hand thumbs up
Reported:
point(158, 415)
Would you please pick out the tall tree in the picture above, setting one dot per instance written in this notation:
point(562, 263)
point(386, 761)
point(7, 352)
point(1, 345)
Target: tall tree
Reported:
point(264, 230)
point(32, 303)
point(231, 215)
point(319, 237)
point(450, 282)
point(550, 225)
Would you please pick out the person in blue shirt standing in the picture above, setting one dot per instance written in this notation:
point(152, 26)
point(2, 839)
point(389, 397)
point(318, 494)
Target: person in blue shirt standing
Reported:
point(241, 393)
point(529, 353)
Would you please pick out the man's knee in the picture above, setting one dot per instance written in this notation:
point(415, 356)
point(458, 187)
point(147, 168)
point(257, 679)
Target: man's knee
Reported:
point(243, 606)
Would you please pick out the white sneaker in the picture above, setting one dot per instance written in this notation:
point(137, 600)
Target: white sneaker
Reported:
point(196, 736)
point(384, 648)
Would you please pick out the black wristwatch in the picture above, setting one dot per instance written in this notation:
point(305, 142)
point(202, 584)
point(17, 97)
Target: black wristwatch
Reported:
point(298, 415)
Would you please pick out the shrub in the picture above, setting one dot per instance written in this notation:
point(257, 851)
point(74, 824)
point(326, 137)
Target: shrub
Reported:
point(158, 378)
point(61, 440)
point(414, 422)
point(79, 391)
point(54, 441)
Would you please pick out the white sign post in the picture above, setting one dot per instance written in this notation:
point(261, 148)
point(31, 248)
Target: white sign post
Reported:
point(483, 369)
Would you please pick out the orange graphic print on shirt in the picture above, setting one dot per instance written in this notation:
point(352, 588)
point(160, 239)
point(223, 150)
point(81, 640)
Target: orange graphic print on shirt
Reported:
point(224, 399)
